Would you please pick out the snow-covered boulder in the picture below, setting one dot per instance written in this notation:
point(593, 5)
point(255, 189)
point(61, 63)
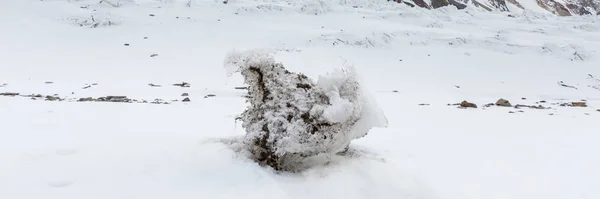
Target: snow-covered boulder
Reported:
point(292, 118)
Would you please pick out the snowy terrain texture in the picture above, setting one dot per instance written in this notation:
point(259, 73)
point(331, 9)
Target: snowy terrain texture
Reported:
point(129, 99)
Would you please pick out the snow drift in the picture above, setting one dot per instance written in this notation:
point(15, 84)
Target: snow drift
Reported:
point(292, 118)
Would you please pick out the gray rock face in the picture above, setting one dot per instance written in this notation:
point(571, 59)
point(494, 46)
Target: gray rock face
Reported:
point(499, 4)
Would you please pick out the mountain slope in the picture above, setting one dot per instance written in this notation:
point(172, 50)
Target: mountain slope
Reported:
point(558, 7)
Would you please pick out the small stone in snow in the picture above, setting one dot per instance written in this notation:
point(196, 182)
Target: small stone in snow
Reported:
point(185, 94)
point(579, 104)
point(209, 95)
point(126, 44)
point(187, 99)
point(153, 55)
point(145, 37)
point(48, 82)
point(152, 15)
point(503, 102)
point(465, 104)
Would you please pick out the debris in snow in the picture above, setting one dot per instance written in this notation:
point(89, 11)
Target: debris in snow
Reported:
point(523, 98)
point(561, 83)
point(242, 88)
point(424, 104)
point(598, 110)
point(9, 94)
point(465, 104)
point(53, 98)
point(86, 87)
point(578, 104)
point(152, 15)
point(457, 86)
point(114, 99)
point(3, 85)
point(187, 99)
point(153, 55)
point(209, 95)
point(489, 105)
point(159, 101)
point(518, 106)
point(182, 84)
point(293, 121)
point(48, 82)
point(185, 94)
point(126, 44)
point(503, 102)
point(154, 85)
point(395, 91)
point(87, 99)
point(33, 96)
point(145, 37)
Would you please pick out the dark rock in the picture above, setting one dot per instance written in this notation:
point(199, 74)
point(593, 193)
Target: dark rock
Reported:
point(53, 98)
point(499, 4)
point(523, 98)
point(126, 44)
point(187, 99)
point(87, 99)
point(145, 37)
point(424, 104)
point(48, 82)
point(152, 15)
point(421, 3)
point(154, 85)
point(185, 94)
point(182, 84)
point(242, 88)
point(209, 95)
point(9, 94)
point(439, 3)
point(457, 4)
point(153, 55)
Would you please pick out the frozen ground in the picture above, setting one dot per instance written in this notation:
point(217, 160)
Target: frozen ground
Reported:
point(72, 150)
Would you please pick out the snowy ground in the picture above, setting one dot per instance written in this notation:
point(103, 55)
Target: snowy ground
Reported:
point(67, 149)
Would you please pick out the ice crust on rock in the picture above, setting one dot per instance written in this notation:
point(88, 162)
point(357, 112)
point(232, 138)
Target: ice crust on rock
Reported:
point(292, 118)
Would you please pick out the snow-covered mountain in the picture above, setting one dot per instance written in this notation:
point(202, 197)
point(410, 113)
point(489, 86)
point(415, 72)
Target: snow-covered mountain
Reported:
point(557, 7)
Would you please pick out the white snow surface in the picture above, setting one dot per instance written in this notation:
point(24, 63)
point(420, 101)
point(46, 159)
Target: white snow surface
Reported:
point(405, 57)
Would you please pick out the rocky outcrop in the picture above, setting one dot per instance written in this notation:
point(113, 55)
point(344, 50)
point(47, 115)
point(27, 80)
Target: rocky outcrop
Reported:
point(559, 8)
point(439, 3)
point(499, 4)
